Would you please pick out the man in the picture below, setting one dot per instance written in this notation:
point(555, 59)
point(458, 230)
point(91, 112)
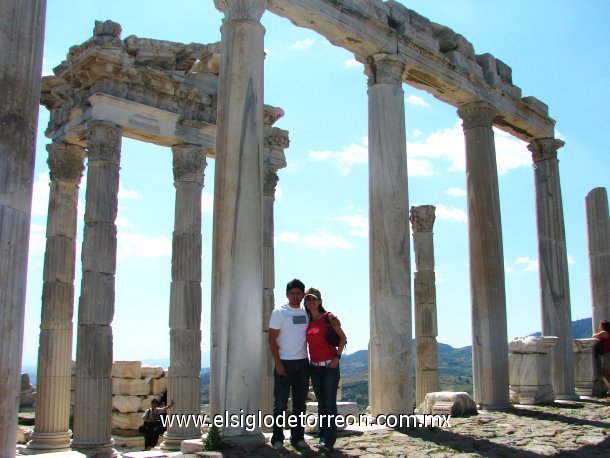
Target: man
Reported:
point(287, 330)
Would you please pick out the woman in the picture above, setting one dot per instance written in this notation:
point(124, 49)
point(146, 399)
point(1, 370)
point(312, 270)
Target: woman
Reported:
point(153, 427)
point(603, 348)
point(324, 365)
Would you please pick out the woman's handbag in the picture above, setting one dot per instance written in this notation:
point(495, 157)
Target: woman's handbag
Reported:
point(331, 335)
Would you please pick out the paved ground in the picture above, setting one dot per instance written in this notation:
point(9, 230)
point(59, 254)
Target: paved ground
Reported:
point(566, 429)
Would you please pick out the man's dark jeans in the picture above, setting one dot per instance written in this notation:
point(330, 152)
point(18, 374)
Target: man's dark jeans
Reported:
point(297, 380)
point(325, 381)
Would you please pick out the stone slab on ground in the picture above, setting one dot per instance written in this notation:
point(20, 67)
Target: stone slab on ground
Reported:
point(129, 441)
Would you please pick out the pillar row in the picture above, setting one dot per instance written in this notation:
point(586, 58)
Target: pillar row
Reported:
point(237, 267)
point(184, 388)
point(598, 232)
point(52, 433)
point(424, 284)
point(93, 395)
point(553, 263)
point(390, 382)
point(486, 259)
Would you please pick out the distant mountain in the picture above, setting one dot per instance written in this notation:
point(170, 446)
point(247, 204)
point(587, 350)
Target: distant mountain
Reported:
point(581, 329)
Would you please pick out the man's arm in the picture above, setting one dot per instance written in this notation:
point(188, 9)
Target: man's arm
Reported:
point(275, 351)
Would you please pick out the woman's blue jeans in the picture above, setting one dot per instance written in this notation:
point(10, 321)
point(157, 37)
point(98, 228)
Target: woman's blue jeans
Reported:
point(325, 381)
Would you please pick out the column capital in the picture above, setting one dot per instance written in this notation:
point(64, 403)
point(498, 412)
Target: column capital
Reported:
point(189, 163)
point(384, 68)
point(104, 141)
point(270, 181)
point(277, 138)
point(66, 162)
point(477, 114)
point(544, 148)
point(242, 10)
point(422, 218)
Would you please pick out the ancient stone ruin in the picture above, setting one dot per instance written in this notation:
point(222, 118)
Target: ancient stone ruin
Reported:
point(205, 102)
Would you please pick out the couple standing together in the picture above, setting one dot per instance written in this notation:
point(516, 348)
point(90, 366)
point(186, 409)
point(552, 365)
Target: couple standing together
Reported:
point(292, 329)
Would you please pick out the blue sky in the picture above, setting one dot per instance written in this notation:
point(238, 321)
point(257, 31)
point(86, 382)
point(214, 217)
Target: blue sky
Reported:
point(558, 53)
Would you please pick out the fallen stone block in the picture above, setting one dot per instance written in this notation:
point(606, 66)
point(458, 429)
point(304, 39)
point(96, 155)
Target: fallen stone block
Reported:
point(127, 369)
point(132, 387)
point(127, 420)
point(152, 372)
point(126, 404)
point(451, 403)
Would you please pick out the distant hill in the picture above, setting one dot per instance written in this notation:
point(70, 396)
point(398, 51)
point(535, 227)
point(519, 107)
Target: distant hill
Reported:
point(581, 329)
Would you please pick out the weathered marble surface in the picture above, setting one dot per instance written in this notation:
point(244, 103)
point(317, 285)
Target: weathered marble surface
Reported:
point(151, 371)
point(530, 370)
point(127, 369)
point(587, 368)
point(598, 231)
point(20, 70)
point(126, 403)
point(486, 259)
point(390, 373)
point(553, 263)
point(447, 402)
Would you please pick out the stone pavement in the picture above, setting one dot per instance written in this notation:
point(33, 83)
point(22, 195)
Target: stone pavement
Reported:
point(567, 429)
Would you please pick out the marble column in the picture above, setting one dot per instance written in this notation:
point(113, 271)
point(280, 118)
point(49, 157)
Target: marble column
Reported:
point(270, 183)
point(424, 284)
point(93, 395)
point(184, 387)
point(237, 267)
point(52, 432)
point(486, 259)
point(598, 231)
point(21, 43)
point(390, 382)
point(553, 263)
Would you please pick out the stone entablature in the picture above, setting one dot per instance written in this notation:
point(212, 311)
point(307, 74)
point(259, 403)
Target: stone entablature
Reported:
point(436, 58)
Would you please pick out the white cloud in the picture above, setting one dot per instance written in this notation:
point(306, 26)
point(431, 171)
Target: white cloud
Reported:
point(346, 158)
point(141, 246)
point(451, 214)
point(302, 45)
point(531, 265)
point(320, 241)
point(417, 133)
point(38, 238)
point(511, 153)
point(353, 63)
point(40, 196)
point(207, 203)
point(132, 194)
point(417, 101)
point(278, 192)
point(571, 260)
point(456, 192)
point(358, 223)
point(419, 167)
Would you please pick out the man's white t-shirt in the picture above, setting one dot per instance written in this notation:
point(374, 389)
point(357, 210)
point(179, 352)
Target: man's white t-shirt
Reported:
point(292, 323)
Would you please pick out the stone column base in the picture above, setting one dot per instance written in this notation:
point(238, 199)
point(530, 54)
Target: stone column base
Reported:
point(96, 450)
point(532, 394)
point(48, 443)
point(174, 443)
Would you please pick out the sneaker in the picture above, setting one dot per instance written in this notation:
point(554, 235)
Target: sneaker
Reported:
point(278, 445)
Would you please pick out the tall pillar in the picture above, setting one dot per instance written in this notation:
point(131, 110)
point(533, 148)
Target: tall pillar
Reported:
point(598, 231)
point(52, 431)
point(21, 42)
point(488, 295)
point(553, 264)
point(424, 284)
point(270, 183)
point(93, 395)
point(184, 386)
point(390, 382)
point(237, 279)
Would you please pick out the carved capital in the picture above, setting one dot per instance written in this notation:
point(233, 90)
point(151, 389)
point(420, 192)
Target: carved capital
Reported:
point(242, 10)
point(422, 218)
point(271, 180)
point(477, 114)
point(544, 148)
point(189, 163)
point(104, 142)
point(107, 28)
point(384, 68)
point(276, 138)
point(66, 162)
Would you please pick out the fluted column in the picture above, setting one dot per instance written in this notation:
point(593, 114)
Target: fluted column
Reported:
point(93, 395)
point(390, 383)
point(553, 263)
point(52, 432)
point(270, 183)
point(237, 279)
point(21, 40)
point(488, 295)
point(184, 387)
point(598, 231)
point(424, 284)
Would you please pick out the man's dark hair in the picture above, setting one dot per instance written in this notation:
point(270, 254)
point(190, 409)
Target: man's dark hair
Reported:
point(296, 283)
point(605, 325)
